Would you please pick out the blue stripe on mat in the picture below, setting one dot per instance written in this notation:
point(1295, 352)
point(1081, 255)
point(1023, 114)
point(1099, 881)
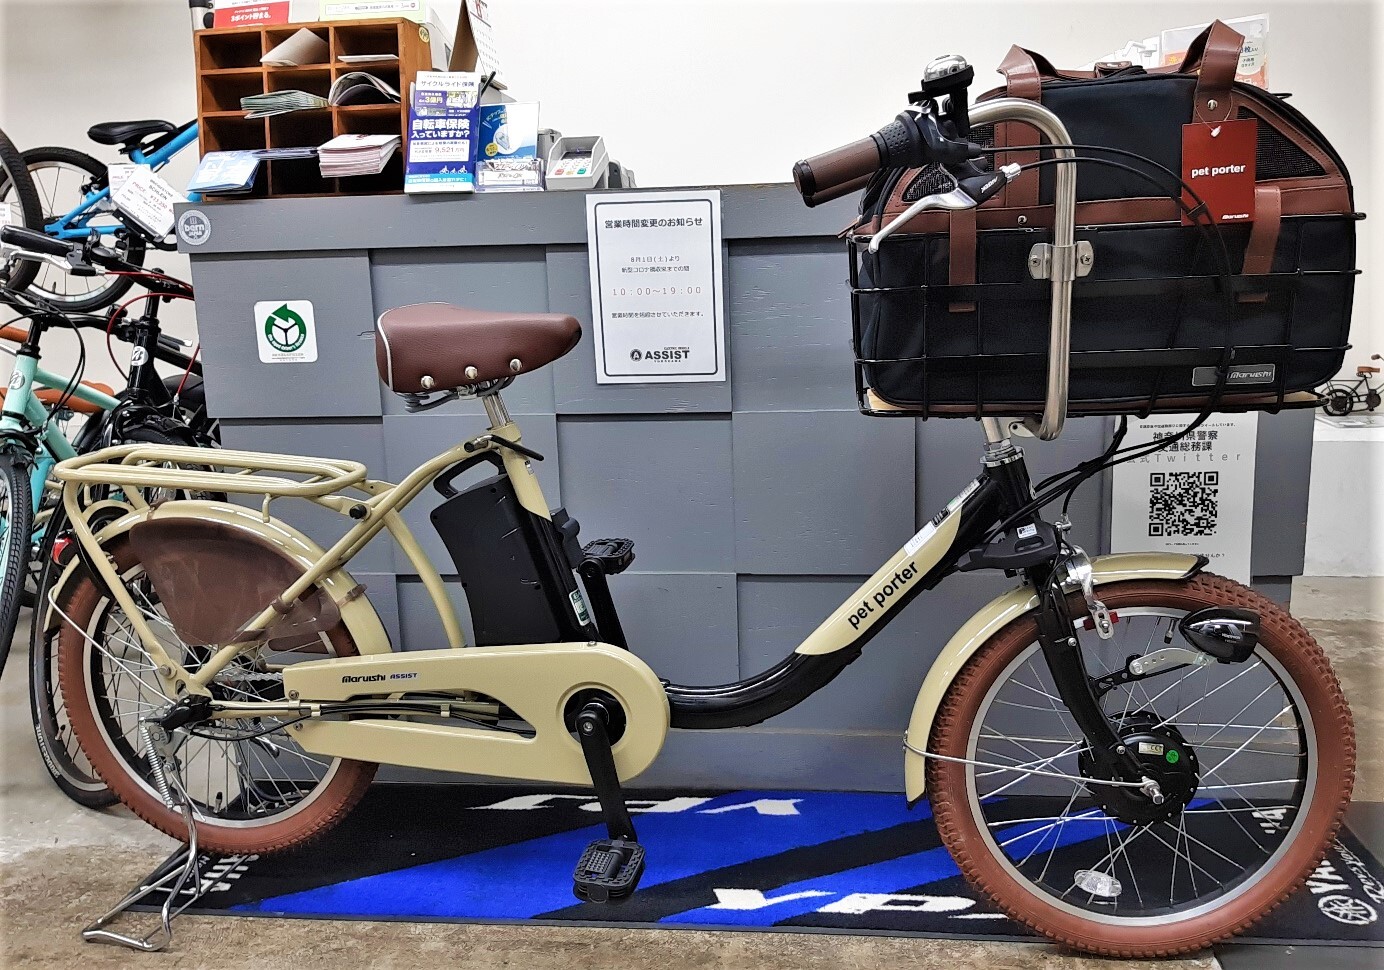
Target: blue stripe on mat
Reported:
point(891, 876)
point(526, 879)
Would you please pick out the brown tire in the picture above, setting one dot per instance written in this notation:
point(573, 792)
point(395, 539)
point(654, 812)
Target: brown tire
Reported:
point(126, 774)
point(1290, 645)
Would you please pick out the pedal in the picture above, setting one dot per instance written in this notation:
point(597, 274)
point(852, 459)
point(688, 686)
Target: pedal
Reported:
point(614, 555)
point(609, 871)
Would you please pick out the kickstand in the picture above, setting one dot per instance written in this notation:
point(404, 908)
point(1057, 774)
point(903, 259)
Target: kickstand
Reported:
point(177, 876)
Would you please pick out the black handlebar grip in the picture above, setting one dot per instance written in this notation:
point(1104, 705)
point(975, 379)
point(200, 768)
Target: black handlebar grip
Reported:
point(37, 242)
point(821, 175)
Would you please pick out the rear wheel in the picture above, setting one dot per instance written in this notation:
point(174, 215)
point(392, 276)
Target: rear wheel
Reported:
point(253, 789)
point(16, 524)
point(1256, 760)
point(21, 206)
point(62, 177)
point(1339, 402)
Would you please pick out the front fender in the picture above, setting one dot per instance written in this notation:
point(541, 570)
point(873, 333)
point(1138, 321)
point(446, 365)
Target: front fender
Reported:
point(994, 616)
point(357, 613)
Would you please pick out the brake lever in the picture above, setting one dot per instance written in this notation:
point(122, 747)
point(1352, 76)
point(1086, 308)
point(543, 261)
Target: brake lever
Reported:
point(965, 193)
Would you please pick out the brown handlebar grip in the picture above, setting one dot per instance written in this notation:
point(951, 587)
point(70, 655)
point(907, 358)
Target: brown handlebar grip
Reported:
point(845, 188)
point(818, 176)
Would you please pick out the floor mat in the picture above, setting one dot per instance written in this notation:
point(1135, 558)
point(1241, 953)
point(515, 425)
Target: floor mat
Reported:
point(825, 861)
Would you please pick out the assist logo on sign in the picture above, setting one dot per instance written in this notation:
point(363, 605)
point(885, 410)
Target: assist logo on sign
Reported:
point(285, 331)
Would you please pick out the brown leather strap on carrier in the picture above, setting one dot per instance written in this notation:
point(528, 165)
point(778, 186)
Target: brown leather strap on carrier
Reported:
point(1263, 238)
point(961, 256)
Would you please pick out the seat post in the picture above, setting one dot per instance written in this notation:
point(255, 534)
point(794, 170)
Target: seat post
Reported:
point(495, 410)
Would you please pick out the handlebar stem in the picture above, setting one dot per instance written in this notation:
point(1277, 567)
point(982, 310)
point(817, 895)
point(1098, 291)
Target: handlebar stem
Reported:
point(1063, 239)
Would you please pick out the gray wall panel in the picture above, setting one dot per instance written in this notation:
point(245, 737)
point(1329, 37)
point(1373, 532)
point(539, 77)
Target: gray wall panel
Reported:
point(1279, 542)
point(420, 626)
point(486, 278)
point(382, 588)
point(410, 440)
point(574, 376)
point(342, 381)
point(681, 624)
point(820, 492)
point(359, 440)
point(791, 340)
point(663, 482)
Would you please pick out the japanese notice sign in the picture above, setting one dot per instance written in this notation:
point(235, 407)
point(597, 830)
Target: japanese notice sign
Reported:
point(657, 286)
point(1196, 496)
point(246, 13)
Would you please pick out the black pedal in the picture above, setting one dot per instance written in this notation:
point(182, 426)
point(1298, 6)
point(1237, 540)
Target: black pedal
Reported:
point(609, 871)
point(614, 555)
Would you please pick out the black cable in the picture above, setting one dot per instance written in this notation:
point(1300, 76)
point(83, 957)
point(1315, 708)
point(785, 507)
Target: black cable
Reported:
point(1195, 213)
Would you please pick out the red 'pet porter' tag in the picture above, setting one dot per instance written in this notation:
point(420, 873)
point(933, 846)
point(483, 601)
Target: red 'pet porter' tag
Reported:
point(1218, 163)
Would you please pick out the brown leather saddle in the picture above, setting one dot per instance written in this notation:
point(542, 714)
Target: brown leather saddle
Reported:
point(436, 346)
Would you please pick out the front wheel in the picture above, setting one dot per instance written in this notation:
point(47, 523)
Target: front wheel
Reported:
point(16, 524)
point(63, 177)
point(1257, 760)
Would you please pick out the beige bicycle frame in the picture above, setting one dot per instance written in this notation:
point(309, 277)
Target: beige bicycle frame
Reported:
point(134, 467)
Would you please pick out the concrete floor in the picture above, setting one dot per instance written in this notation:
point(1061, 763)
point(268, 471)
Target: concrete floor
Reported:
point(61, 865)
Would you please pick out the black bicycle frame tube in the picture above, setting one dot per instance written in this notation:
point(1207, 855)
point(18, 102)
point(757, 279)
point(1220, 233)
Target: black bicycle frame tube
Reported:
point(798, 675)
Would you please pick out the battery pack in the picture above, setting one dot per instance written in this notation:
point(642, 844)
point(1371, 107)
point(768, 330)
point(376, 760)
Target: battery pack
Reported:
point(518, 584)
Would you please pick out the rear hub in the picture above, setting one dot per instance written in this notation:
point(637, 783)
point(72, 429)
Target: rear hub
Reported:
point(1165, 757)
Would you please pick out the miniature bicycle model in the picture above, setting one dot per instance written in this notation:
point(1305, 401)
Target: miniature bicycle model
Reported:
point(1343, 397)
point(1106, 719)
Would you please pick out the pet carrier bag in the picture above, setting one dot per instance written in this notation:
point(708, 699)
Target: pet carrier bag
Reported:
point(949, 321)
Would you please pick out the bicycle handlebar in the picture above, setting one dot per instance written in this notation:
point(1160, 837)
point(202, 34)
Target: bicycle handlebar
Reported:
point(914, 139)
point(37, 242)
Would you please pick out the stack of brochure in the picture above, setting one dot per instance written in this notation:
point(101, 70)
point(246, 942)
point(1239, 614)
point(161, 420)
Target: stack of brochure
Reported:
point(233, 173)
point(356, 154)
point(358, 87)
point(280, 102)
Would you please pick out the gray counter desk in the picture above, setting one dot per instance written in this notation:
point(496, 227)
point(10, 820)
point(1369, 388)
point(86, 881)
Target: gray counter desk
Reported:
point(722, 486)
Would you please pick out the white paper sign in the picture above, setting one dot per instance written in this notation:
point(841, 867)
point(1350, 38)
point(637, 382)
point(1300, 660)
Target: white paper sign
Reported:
point(1196, 496)
point(286, 331)
point(656, 286)
point(146, 198)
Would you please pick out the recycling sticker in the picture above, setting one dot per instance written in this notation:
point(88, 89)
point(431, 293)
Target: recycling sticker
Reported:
point(285, 331)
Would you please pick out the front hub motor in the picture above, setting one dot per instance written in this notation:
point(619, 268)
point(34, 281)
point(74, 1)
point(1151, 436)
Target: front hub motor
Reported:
point(1165, 757)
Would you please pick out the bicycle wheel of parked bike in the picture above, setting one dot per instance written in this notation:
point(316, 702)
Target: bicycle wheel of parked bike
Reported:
point(1255, 759)
point(16, 525)
point(62, 177)
point(22, 206)
point(252, 787)
point(67, 765)
point(69, 768)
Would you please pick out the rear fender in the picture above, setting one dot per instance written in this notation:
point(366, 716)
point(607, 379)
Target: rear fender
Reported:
point(357, 613)
point(993, 617)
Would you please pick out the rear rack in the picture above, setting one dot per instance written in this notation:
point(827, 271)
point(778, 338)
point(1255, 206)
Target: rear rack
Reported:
point(206, 470)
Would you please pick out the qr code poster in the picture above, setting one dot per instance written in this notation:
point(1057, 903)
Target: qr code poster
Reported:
point(1195, 496)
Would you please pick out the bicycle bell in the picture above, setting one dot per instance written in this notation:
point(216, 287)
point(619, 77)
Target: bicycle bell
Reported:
point(948, 76)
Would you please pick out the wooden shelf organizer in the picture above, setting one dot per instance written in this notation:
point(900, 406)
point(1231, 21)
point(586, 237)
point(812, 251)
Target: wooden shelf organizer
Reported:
point(229, 68)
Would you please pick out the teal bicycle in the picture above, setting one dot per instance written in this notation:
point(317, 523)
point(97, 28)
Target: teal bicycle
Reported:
point(37, 404)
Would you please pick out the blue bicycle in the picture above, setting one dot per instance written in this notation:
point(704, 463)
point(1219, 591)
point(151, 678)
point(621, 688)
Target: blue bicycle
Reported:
point(75, 193)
